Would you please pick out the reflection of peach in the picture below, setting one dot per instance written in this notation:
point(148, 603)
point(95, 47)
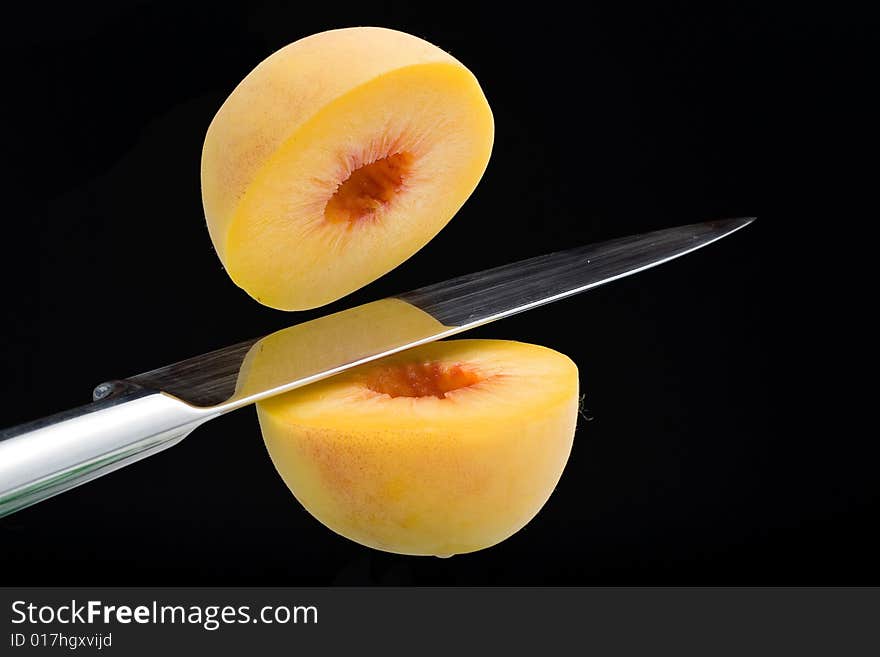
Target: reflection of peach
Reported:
point(336, 159)
point(328, 342)
point(443, 449)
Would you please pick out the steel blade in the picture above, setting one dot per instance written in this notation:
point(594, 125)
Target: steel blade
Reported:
point(304, 353)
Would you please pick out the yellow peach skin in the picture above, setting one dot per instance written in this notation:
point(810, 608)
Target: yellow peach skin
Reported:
point(444, 449)
point(336, 159)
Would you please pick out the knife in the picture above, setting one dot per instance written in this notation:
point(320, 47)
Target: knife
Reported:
point(136, 417)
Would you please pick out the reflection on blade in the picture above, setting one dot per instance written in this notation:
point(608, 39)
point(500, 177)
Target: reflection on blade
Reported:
point(295, 356)
point(317, 348)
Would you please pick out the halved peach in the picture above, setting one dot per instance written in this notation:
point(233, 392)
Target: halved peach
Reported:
point(443, 449)
point(336, 159)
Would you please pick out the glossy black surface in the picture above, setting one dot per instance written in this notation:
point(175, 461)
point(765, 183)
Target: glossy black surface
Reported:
point(708, 452)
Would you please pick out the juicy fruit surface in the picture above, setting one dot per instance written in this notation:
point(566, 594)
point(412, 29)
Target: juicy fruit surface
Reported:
point(443, 449)
point(337, 158)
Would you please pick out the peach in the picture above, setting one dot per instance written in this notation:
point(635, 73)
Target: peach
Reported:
point(443, 449)
point(336, 159)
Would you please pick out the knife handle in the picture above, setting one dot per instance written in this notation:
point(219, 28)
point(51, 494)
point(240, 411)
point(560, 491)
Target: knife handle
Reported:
point(45, 457)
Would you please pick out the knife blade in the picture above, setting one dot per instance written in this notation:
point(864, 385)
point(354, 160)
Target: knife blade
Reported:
point(135, 417)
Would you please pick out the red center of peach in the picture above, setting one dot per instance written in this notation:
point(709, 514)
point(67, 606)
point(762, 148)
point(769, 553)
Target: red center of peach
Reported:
point(421, 379)
point(368, 189)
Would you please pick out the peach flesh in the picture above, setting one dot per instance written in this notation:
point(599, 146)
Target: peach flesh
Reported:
point(369, 189)
point(421, 379)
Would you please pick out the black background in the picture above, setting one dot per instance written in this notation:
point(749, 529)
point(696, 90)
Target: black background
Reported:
point(700, 459)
